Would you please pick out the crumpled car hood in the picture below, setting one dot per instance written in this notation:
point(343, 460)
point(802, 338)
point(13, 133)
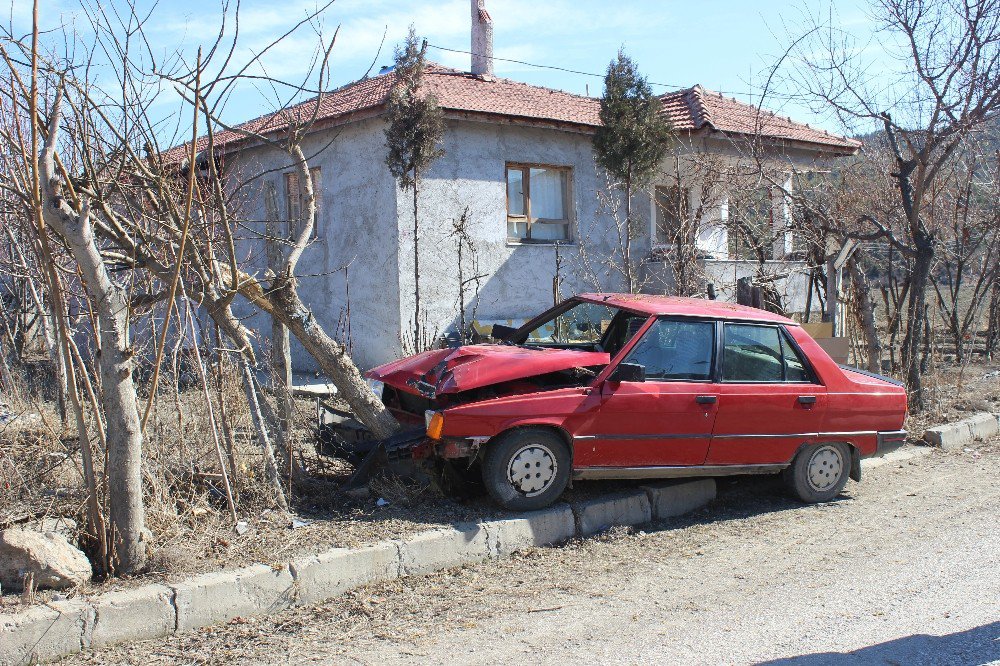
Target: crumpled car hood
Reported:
point(475, 366)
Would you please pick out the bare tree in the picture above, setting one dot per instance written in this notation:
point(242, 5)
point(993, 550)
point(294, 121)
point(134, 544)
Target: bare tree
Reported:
point(948, 53)
point(58, 207)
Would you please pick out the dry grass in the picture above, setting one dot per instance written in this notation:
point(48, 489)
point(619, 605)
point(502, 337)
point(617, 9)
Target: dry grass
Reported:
point(186, 511)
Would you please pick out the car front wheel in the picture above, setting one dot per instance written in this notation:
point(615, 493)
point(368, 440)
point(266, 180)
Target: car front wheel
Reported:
point(819, 472)
point(526, 469)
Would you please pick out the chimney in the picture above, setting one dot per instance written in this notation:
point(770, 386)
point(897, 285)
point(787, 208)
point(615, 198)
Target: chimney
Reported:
point(482, 40)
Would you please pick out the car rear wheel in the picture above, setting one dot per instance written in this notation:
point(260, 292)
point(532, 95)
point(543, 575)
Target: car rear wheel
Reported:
point(526, 469)
point(819, 472)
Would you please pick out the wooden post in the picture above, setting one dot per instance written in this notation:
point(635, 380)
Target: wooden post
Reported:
point(832, 294)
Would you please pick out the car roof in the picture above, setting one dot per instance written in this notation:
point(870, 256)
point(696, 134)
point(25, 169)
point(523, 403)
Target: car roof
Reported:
point(685, 307)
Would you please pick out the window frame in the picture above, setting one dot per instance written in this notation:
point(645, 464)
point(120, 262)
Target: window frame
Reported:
point(784, 339)
point(712, 377)
point(316, 174)
point(685, 192)
point(737, 227)
point(526, 219)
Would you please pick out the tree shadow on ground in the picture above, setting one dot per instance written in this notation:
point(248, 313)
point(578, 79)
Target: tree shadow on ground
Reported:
point(980, 645)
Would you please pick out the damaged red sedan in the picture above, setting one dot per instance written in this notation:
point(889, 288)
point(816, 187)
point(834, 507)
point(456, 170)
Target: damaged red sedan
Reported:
point(610, 386)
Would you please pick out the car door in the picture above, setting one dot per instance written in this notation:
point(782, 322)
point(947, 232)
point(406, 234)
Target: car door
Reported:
point(770, 402)
point(665, 420)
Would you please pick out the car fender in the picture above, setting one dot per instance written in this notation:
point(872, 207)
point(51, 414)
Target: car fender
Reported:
point(550, 423)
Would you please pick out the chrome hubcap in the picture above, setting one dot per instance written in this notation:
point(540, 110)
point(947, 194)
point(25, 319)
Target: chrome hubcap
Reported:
point(532, 469)
point(825, 468)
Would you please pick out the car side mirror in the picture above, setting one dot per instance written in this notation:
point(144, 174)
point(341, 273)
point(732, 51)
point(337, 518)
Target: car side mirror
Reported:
point(502, 333)
point(628, 372)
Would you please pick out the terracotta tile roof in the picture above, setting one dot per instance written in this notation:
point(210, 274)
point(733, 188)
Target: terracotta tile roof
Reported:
point(690, 109)
point(695, 107)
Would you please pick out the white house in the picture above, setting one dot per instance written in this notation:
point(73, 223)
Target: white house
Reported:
point(519, 158)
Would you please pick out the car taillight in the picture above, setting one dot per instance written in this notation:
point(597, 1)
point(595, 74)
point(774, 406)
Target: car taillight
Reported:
point(435, 424)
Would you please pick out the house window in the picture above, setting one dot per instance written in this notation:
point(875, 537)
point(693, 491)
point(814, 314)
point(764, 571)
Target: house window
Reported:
point(671, 212)
point(538, 203)
point(751, 235)
point(295, 198)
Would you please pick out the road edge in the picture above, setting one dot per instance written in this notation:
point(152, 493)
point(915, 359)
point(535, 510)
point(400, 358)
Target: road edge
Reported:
point(49, 631)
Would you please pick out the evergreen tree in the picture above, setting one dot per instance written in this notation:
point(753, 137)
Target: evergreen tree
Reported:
point(631, 141)
point(413, 139)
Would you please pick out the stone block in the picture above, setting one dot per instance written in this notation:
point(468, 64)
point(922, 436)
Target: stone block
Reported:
point(44, 632)
point(597, 515)
point(669, 499)
point(983, 426)
point(218, 597)
point(953, 436)
point(331, 573)
point(136, 614)
point(47, 558)
point(444, 548)
point(538, 528)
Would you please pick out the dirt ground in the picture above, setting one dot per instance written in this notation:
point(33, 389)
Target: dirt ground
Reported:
point(904, 568)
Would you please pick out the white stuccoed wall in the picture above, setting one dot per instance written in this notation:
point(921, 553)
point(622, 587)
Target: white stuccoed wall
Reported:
point(356, 226)
point(472, 174)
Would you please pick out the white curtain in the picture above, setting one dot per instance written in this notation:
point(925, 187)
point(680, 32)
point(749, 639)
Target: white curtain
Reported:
point(547, 200)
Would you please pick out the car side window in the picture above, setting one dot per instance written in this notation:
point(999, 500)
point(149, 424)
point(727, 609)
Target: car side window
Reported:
point(676, 350)
point(752, 354)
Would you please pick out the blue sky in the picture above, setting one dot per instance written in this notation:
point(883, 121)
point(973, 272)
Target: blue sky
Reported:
point(726, 45)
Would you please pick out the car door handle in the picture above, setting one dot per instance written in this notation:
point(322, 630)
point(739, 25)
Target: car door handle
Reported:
point(807, 400)
point(706, 399)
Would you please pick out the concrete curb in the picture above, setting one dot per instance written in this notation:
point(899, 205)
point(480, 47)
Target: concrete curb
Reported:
point(46, 632)
point(953, 436)
point(669, 498)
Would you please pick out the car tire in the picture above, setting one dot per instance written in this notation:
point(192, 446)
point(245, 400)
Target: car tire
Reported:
point(819, 472)
point(526, 469)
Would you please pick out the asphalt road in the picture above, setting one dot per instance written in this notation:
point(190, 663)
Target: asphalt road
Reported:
point(903, 569)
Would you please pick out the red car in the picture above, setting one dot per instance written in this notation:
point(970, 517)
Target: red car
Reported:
point(617, 386)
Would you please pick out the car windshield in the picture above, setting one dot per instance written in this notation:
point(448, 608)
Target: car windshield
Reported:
point(586, 325)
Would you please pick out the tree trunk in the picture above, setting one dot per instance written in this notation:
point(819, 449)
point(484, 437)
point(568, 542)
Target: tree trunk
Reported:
point(281, 355)
point(283, 302)
point(629, 275)
point(118, 396)
point(915, 316)
point(993, 325)
point(866, 307)
point(260, 424)
point(417, 346)
point(281, 382)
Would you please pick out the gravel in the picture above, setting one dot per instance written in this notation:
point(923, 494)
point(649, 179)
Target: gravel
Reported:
point(903, 568)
